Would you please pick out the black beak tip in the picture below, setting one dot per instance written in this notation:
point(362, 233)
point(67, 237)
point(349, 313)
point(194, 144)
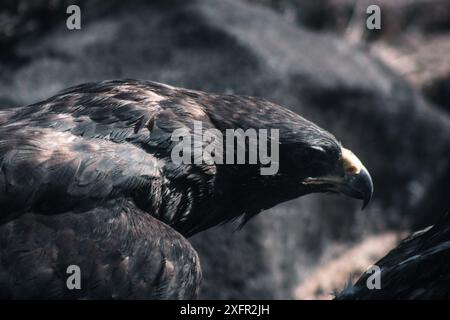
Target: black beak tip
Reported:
point(365, 203)
point(366, 187)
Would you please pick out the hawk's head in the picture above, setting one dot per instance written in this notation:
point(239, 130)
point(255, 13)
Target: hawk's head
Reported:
point(303, 158)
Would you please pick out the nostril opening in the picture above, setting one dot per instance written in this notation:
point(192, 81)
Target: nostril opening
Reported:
point(351, 170)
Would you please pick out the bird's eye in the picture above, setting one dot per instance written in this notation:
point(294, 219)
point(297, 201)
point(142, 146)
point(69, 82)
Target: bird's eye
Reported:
point(317, 155)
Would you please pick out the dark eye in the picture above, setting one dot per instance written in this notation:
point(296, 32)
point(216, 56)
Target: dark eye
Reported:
point(308, 156)
point(317, 155)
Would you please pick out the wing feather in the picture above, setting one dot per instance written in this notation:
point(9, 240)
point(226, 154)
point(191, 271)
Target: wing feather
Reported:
point(122, 253)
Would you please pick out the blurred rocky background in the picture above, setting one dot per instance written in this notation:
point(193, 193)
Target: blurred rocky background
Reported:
point(383, 93)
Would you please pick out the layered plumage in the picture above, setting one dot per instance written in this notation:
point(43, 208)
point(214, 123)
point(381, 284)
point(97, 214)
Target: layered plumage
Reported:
point(87, 178)
point(417, 268)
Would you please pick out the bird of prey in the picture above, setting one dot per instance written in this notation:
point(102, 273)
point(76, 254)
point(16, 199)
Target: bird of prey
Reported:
point(87, 181)
point(416, 269)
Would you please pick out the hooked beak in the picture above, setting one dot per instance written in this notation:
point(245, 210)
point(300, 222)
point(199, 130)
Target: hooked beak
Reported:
point(358, 186)
point(352, 180)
